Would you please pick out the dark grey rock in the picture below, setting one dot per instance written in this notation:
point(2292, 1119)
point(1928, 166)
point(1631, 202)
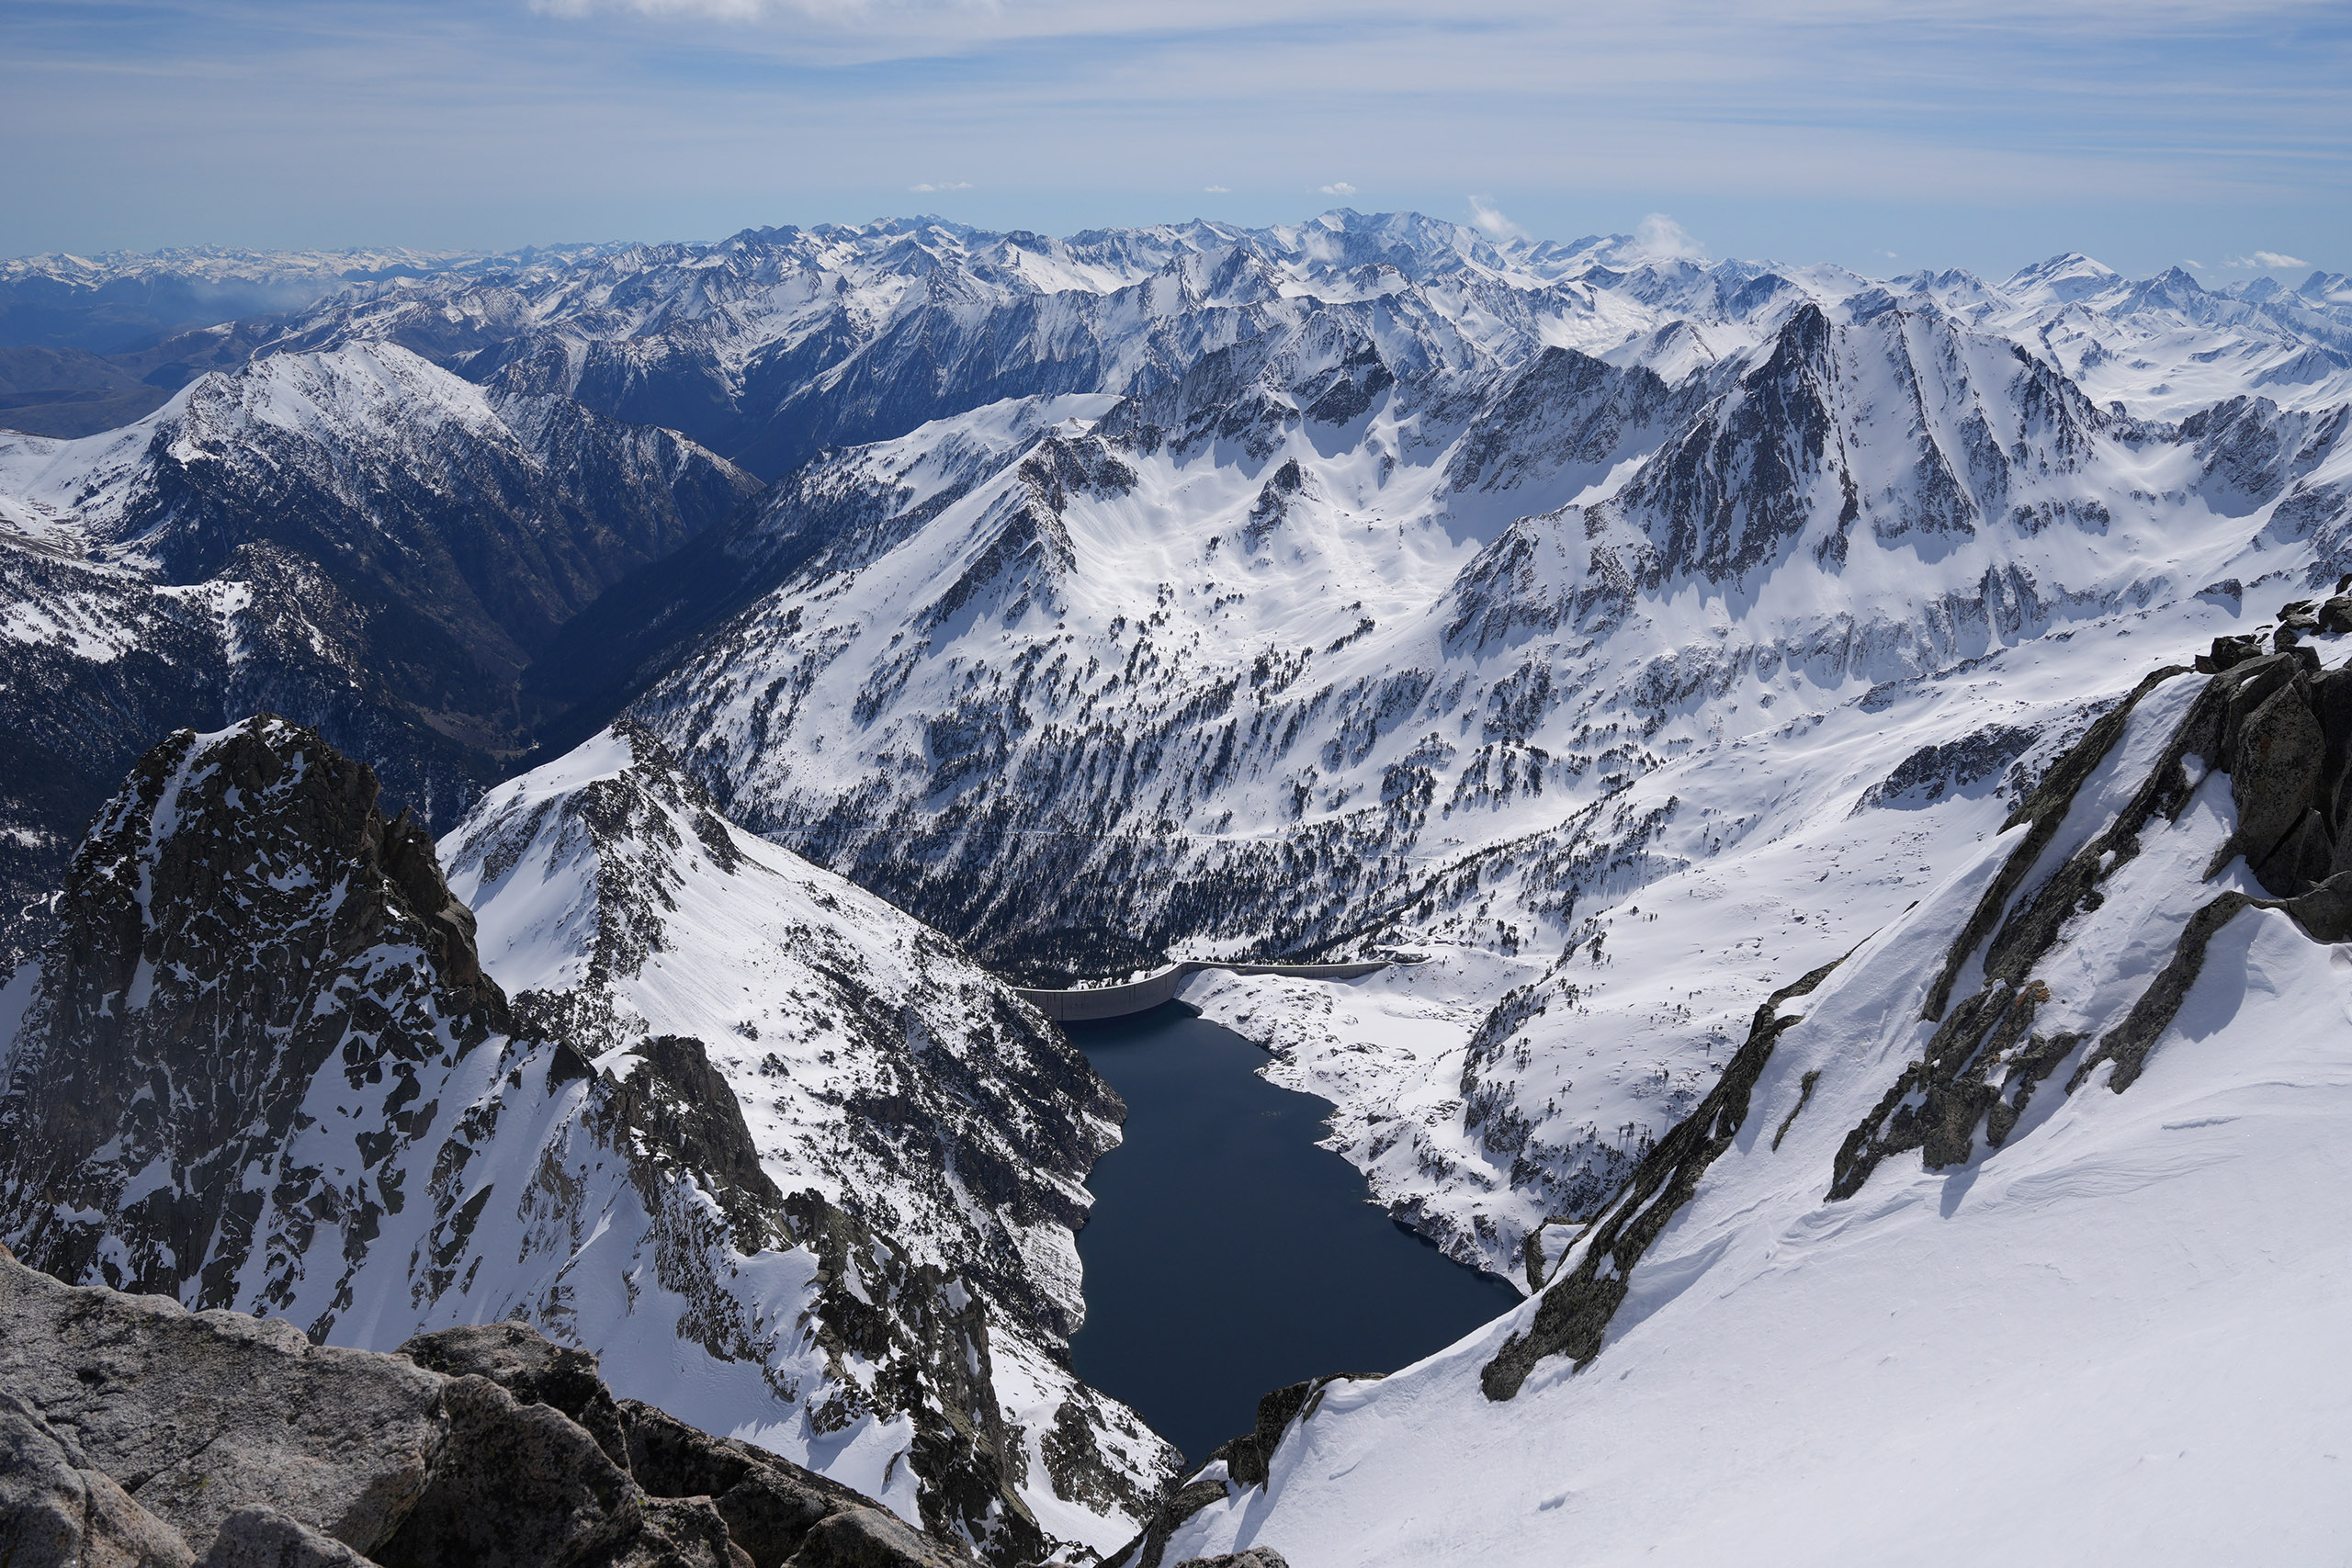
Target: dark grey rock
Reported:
point(2275, 769)
point(1256, 1557)
point(265, 1537)
point(770, 1505)
point(679, 1532)
point(198, 1415)
point(2228, 651)
point(2336, 614)
point(519, 1487)
point(56, 1511)
point(531, 1367)
point(870, 1538)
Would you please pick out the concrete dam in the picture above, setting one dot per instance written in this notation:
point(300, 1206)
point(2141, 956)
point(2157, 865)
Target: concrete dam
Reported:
point(1094, 1004)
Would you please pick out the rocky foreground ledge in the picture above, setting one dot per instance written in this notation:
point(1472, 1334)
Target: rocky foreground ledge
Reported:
point(137, 1434)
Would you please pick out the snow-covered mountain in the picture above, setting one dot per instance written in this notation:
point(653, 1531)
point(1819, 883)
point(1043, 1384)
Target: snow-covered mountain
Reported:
point(876, 1067)
point(1308, 650)
point(1371, 577)
point(775, 343)
point(262, 1066)
point(1633, 635)
point(103, 304)
point(2017, 1232)
point(357, 538)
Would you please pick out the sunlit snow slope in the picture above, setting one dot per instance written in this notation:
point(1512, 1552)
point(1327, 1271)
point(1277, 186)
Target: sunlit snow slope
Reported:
point(2020, 1234)
point(875, 1065)
point(1624, 699)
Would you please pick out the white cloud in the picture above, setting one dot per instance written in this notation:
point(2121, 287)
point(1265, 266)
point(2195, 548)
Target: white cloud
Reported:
point(1217, 190)
point(2263, 261)
point(928, 189)
point(1337, 188)
point(1487, 216)
point(2192, 265)
point(1660, 238)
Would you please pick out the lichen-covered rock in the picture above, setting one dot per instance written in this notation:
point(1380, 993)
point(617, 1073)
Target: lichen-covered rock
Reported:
point(199, 1414)
point(56, 1511)
point(261, 1537)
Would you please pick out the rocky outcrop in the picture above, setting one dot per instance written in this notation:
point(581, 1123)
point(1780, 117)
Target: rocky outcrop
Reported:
point(2282, 731)
point(532, 1370)
point(1240, 1462)
point(1574, 1312)
point(138, 1434)
point(198, 1414)
point(57, 1508)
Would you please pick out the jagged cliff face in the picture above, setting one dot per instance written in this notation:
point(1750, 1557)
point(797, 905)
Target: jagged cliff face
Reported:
point(2049, 1165)
point(260, 1067)
point(877, 1068)
point(356, 538)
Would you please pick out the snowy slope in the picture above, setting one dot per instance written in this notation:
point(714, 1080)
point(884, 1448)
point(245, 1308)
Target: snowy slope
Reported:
point(2102, 1295)
point(1264, 663)
point(261, 1067)
point(875, 1065)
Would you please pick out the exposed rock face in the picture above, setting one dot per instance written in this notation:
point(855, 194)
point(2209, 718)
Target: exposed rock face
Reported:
point(241, 922)
point(198, 1414)
point(361, 1141)
point(535, 1370)
point(263, 1537)
point(137, 1434)
point(56, 1508)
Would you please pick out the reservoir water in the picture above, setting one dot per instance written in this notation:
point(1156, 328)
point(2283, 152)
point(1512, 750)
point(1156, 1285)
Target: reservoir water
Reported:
point(1227, 1256)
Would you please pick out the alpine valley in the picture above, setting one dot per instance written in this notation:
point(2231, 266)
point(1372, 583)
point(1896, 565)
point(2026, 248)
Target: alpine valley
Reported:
point(534, 778)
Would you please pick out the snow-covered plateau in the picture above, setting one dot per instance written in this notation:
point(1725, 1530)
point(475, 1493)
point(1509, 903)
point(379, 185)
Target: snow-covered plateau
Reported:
point(848, 609)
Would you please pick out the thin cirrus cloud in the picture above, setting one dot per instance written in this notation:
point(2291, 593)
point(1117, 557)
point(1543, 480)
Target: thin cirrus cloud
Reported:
point(2263, 261)
point(929, 187)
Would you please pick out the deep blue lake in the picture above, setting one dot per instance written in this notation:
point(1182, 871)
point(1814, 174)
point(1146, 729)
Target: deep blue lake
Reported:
point(1228, 1256)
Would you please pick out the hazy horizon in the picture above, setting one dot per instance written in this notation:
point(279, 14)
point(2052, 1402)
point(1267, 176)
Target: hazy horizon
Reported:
point(1876, 136)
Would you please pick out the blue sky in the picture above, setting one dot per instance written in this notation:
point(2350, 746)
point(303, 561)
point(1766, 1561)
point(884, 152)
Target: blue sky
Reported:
point(1882, 135)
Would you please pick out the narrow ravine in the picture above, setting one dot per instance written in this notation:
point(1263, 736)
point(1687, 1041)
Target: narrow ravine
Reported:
point(1228, 1254)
